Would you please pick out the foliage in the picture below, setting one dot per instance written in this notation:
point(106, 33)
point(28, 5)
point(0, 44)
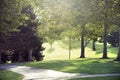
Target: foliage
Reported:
point(28, 31)
point(95, 16)
point(26, 38)
point(11, 16)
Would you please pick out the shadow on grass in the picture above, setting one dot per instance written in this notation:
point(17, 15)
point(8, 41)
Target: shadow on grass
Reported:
point(91, 66)
point(97, 66)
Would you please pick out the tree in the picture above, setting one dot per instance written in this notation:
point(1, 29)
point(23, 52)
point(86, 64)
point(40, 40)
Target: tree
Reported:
point(83, 17)
point(30, 40)
point(105, 14)
point(105, 29)
point(101, 16)
point(58, 20)
point(10, 12)
point(93, 32)
point(25, 38)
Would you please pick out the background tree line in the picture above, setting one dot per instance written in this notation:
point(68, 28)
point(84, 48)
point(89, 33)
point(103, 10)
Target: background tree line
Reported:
point(81, 19)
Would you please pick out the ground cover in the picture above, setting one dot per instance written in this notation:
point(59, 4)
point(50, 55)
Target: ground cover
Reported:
point(99, 78)
point(88, 65)
point(59, 51)
point(9, 75)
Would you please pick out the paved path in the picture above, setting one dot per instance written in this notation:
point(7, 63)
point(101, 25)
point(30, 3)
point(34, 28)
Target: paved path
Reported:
point(31, 73)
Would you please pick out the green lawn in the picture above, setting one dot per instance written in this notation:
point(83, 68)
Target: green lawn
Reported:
point(8, 75)
point(99, 78)
point(57, 59)
point(60, 51)
point(88, 65)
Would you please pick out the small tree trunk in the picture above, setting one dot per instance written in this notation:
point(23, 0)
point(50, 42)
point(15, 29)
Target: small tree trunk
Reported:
point(30, 55)
point(69, 47)
point(118, 56)
point(82, 42)
point(20, 56)
point(93, 45)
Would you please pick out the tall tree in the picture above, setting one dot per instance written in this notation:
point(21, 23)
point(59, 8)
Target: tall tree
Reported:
point(105, 13)
point(30, 39)
point(105, 29)
point(25, 38)
point(83, 17)
point(10, 12)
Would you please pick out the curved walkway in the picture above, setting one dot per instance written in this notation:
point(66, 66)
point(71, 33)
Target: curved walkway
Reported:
point(32, 73)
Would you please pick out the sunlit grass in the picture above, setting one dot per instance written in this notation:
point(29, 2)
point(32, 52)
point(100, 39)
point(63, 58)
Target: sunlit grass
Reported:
point(57, 59)
point(8, 75)
point(60, 52)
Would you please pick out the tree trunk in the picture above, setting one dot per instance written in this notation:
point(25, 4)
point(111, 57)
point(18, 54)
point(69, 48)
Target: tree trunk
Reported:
point(93, 45)
point(105, 42)
point(105, 31)
point(82, 42)
point(30, 55)
point(20, 56)
point(118, 56)
point(69, 47)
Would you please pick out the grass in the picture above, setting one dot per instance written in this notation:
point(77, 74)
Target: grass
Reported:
point(8, 75)
point(91, 66)
point(57, 59)
point(99, 78)
point(60, 51)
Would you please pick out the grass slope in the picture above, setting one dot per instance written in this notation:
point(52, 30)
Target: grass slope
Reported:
point(8, 75)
